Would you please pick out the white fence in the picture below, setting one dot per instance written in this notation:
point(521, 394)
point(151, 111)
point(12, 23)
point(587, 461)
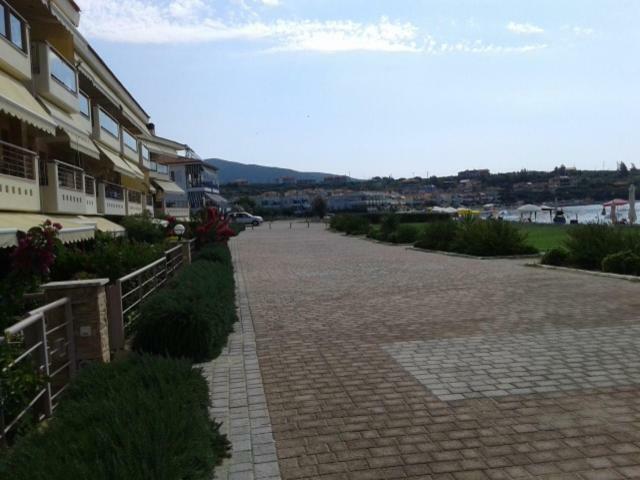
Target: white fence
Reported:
point(45, 342)
point(126, 294)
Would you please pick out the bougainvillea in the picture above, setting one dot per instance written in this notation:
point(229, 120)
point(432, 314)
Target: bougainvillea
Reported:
point(214, 227)
point(34, 254)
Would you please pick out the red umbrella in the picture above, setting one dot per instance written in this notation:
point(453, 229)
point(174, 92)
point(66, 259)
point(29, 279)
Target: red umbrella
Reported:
point(616, 201)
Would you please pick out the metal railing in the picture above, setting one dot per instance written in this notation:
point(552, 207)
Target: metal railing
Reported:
point(69, 176)
point(134, 196)
point(89, 185)
point(113, 191)
point(45, 342)
point(17, 161)
point(126, 294)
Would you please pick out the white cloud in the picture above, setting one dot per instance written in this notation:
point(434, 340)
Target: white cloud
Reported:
point(195, 21)
point(270, 3)
point(582, 31)
point(524, 28)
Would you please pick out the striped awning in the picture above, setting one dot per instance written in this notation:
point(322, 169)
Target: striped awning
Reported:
point(18, 102)
point(121, 165)
point(101, 224)
point(75, 128)
point(13, 222)
point(168, 186)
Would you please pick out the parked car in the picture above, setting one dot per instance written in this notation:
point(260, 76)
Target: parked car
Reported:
point(246, 218)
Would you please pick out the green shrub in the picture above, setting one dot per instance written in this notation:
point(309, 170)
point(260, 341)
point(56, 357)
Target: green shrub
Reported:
point(351, 224)
point(405, 233)
point(588, 245)
point(109, 258)
point(190, 318)
point(625, 263)
point(389, 225)
point(556, 256)
point(215, 252)
point(490, 238)
point(437, 235)
point(138, 419)
point(140, 228)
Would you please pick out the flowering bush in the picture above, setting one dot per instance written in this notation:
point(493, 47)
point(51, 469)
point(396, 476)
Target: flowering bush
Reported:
point(34, 254)
point(214, 227)
point(171, 223)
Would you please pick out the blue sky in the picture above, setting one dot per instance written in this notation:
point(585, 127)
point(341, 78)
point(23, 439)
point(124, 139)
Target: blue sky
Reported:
point(383, 87)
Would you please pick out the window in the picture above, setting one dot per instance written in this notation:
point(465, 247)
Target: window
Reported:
point(3, 15)
point(173, 176)
point(12, 27)
point(62, 71)
point(85, 105)
point(16, 26)
point(129, 140)
point(145, 157)
point(108, 124)
point(163, 169)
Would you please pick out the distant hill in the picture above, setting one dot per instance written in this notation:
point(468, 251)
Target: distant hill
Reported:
point(231, 171)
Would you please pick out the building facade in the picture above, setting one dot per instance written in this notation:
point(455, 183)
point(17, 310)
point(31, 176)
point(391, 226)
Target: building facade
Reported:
point(74, 143)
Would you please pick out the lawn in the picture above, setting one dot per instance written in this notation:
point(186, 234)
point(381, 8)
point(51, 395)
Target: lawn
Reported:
point(541, 236)
point(545, 237)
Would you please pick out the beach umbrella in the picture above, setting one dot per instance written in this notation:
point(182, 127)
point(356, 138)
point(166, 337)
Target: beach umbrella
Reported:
point(632, 204)
point(615, 202)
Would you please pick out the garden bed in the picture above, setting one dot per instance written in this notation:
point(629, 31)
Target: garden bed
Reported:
point(141, 418)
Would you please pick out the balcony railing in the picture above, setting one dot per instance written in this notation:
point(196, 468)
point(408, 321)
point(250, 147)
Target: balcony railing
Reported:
point(66, 192)
point(134, 202)
point(111, 199)
point(18, 178)
point(17, 161)
point(90, 198)
point(70, 177)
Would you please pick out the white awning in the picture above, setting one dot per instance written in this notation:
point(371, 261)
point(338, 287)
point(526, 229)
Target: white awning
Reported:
point(120, 164)
point(76, 130)
point(12, 222)
point(168, 186)
point(102, 224)
point(17, 101)
point(217, 199)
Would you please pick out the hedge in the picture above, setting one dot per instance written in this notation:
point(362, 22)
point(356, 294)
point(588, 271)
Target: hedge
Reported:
point(475, 237)
point(144, 418)
point(193, 316)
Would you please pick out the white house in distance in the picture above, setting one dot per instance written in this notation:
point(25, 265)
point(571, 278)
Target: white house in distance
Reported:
point(198, 179)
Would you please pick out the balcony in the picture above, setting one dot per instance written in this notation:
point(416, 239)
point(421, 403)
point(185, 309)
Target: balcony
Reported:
point(111, 199)
point(63, 189)
point(134, 202)
point(18, 179)
point(55, 78)
point(106, 129)
point(176, 208)
point(14, 43)
point(90, 197)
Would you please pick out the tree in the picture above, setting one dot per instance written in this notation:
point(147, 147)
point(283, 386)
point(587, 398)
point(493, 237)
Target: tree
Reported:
point(247, 204)
point(623, 170)
point(319, 207)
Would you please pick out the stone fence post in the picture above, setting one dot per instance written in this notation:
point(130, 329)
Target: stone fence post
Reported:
point(89, 311)
point(186, 251)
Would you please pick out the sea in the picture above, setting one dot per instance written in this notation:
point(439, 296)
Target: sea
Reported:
point(581, 213)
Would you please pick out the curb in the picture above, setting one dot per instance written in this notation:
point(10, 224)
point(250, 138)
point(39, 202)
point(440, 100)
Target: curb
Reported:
point(464, 255)
point(580, 271)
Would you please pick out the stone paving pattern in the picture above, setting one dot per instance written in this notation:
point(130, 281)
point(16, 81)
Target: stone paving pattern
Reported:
point(238, 402)
point(344, 329)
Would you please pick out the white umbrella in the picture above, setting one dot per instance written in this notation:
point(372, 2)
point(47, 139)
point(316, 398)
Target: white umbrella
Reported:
point(632, 204)
point(529, 208)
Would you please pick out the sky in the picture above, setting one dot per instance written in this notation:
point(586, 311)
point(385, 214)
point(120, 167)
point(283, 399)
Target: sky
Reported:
point(383, 87)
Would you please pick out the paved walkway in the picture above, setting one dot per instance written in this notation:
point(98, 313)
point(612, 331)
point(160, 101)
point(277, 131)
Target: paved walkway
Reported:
point(379, 362)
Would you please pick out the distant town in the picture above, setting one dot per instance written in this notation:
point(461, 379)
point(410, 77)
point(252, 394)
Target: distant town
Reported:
point(471, 188)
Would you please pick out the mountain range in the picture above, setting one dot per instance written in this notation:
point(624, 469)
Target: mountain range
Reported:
point(233, 171)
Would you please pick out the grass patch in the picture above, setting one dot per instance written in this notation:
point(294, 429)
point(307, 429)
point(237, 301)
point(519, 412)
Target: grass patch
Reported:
point(144, 418)
point(545, 237)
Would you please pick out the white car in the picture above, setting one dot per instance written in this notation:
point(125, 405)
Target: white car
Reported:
point(246, 218)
